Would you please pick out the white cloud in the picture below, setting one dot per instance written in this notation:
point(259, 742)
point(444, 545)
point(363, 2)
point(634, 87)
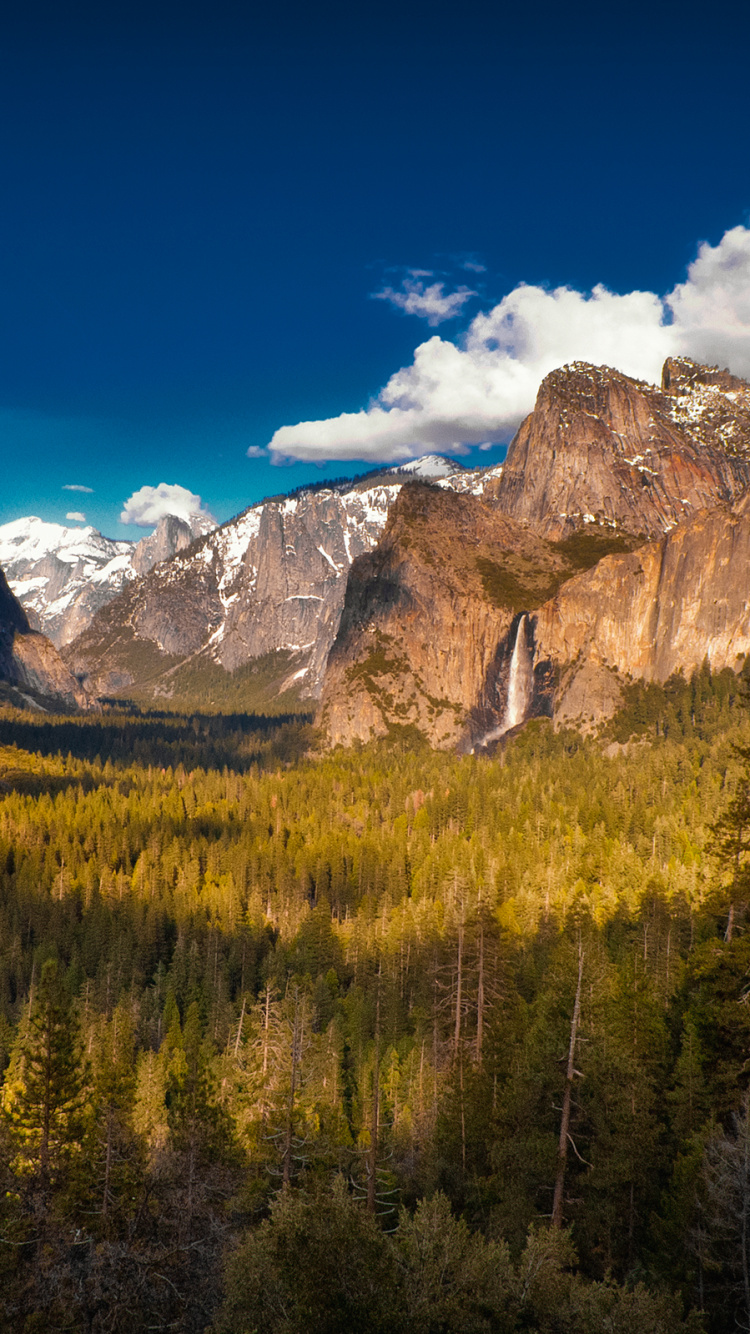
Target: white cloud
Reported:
point(76, 516)
point(72, 486)
point(431, 303)
point(256, 452)
point(473, 267)
point(148, 505)
point(479, 390)
point(712, 309)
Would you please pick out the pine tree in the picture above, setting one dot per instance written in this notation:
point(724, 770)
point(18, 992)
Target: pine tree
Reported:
point(43, 1094)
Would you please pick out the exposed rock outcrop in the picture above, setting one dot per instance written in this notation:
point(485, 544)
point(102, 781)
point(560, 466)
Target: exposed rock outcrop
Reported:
point(604, 463)
point(270, 581)
point(430, 618)
point(603, 448)
point(661, 609)
point(30, 663)
point(425, 641)
point(169, 536)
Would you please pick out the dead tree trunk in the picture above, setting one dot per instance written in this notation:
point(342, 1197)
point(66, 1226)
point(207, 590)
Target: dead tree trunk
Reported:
point(375, 1117)
point(480, 996)
point(562, 1152)
point(459, 985)
point(289, 1129)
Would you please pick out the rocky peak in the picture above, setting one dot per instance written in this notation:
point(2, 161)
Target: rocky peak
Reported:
point(63, 576)
point(270, 581)
point(709, 405)
point(31, 670)
point(682, 375)
point(601, 448)
point(169, 536)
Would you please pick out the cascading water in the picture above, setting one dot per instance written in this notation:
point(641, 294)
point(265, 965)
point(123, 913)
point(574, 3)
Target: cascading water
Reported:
point(519, 680)
point(520, 685)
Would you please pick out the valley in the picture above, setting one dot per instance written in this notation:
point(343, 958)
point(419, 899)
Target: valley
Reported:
point(374, 896)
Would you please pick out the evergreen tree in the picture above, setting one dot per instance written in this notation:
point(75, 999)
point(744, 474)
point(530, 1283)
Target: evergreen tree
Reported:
point(43, 1094)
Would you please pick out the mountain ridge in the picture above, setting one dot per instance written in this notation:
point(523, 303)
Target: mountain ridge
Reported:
point(63, 576)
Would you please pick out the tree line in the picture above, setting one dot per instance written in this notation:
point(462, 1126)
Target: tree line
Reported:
point(483, 1018)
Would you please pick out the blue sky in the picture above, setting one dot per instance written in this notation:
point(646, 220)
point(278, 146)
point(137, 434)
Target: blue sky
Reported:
point(199, 203)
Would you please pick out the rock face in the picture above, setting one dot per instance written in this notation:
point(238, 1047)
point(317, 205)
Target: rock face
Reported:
point(431, 621)
point(454, 575)
point(169, 536)
point(30, 663)
point(603, 448)
point(463, 627)
point(663, 608)
point(63, 576)
point(271, 581)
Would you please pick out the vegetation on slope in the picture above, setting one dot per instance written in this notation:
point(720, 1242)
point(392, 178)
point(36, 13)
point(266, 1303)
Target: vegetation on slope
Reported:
point(288, 997)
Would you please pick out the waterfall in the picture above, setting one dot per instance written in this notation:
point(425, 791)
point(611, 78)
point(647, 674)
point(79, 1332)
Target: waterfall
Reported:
point(520, 686)
point(519, 680)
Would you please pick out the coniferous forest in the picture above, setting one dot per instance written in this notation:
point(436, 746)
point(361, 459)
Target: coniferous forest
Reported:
point(376, 1040)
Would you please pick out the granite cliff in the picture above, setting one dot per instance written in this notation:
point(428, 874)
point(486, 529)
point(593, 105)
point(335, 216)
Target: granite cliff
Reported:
point(428, 626)
point(602, 448)
point(608, 548)
point(664, 608)
point(409, 605)
point(266, 587)
point(32, 672)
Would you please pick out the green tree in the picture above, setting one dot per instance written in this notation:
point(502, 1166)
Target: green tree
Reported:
point(43, 1092)
point(318, 1265)
point(455, 1282)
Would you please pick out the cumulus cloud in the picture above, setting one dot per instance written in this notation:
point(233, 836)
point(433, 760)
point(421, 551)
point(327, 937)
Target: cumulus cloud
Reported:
point(151, 503)
point(256, 452)
point(456, 395)
point(431, 303)
point(76, 516)
point(72, 486)
point(711, 310)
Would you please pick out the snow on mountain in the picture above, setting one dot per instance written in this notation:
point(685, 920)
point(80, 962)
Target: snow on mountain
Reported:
point(430, 465)
point(62, 576)
point(270, 581)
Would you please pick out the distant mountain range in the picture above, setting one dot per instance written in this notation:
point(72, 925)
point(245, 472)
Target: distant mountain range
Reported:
point(62, 576)
point(266, 588)
point(613, 543)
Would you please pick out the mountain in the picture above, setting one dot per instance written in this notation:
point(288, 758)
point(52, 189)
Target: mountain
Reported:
point(62, 576)
point(602, 448)
point(425, 637)
point(429, 465)
point(262, 594)
point(435, 568)
point(541, 594)
point(32, 672)
point(662, 609)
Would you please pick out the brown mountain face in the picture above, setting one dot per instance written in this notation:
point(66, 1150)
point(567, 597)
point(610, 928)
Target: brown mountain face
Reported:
point(601, 448)
point(541, 597)
point(429, 619)
point(31, 668)
point(661, 609)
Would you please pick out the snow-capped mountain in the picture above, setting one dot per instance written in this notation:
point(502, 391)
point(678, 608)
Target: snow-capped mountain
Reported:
point(430, 466)
point(271, 581)
point(62, 576)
